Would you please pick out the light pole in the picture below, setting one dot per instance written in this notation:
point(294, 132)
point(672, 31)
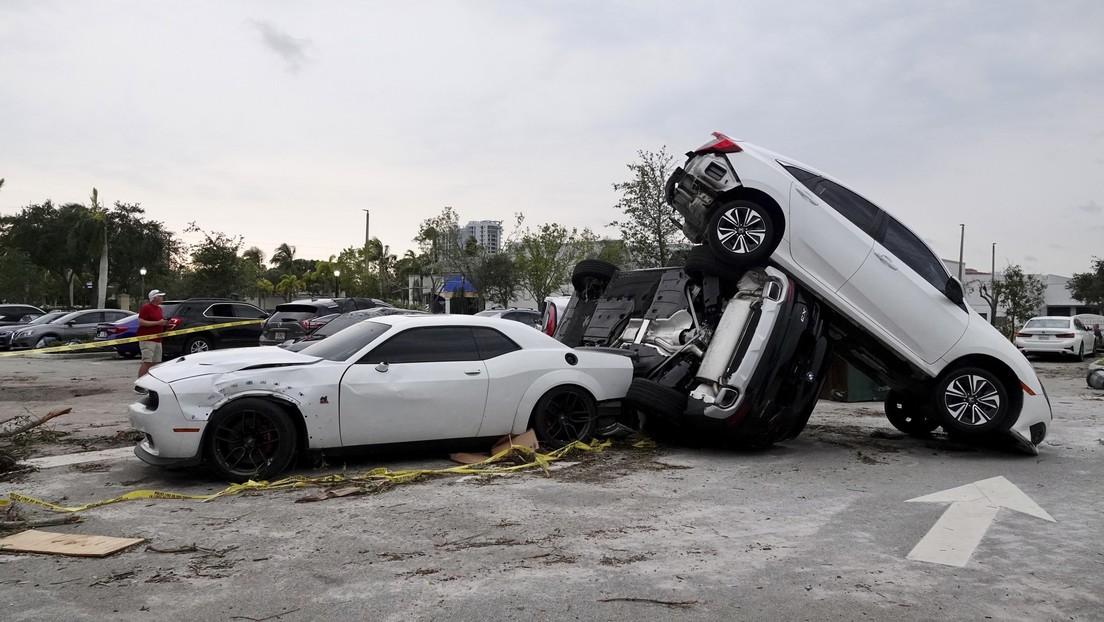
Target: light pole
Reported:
point(337, 273)
point(142, 271)
point(961, 244)
point(367, 215)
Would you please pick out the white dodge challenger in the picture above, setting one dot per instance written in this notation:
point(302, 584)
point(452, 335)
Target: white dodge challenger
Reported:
point(247, 412)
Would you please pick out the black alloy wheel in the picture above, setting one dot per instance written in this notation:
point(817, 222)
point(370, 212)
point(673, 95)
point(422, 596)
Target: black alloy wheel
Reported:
point(972, 401)
point(564, 415)
point(250, 439)
point(907, 415)
point(741, 233)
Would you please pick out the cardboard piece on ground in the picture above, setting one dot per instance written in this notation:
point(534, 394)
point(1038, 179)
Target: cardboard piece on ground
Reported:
point(525, 439)
point(76, 545)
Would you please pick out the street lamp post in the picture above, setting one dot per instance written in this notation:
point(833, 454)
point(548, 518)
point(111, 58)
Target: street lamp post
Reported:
point(337, 273)
point(142, 271)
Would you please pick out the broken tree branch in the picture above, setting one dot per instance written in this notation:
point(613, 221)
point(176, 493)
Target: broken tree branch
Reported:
point(35, 422)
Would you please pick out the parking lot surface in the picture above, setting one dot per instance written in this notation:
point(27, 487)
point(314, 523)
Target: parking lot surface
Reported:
point(832, 525)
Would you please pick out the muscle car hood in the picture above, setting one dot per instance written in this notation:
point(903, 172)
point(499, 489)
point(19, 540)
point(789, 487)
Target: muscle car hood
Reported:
point(223, 361)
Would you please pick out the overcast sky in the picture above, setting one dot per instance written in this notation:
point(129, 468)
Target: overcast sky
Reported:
point(281, 121)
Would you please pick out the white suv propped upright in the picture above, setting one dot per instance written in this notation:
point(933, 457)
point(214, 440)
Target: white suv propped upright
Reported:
point(900, 315)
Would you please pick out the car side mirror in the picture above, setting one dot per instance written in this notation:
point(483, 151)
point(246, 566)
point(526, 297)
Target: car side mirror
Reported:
point(953, 290)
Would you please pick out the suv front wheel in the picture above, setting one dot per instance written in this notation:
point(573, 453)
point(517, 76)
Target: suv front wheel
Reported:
point(973, 401)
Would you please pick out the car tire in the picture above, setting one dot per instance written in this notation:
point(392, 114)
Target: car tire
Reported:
point(1095, 379)
point(1081, 352)
point(250, 439)
point(973, 402)
point(591, 276)
point(702, 261)
point(655, 399)
point(129, 354)
point(564, 415)
point(741, 233)
point(196, 345)
point(907, 415)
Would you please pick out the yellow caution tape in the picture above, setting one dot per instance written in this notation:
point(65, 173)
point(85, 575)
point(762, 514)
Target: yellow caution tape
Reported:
point(111, 343)
point(382, 477)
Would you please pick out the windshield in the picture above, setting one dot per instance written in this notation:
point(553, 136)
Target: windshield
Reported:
point(49, 317)
point(348, 342)
point(1048, 323)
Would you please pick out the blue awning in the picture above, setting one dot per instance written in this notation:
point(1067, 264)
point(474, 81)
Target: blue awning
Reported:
point(456, 284)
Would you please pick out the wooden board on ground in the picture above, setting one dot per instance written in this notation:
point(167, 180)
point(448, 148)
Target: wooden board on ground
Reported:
point(51, 543)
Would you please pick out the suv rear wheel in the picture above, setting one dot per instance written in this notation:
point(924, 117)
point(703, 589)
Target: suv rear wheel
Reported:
point(197, 344)
point(741, 232)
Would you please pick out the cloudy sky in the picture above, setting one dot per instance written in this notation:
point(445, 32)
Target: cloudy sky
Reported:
point(282, 121)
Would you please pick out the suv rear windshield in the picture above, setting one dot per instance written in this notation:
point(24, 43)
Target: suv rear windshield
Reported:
point(296, 312)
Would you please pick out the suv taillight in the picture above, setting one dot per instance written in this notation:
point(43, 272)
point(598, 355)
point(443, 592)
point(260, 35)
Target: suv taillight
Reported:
point(305, 324)
point(174, 323)
point(550, 320)
point(720, 144)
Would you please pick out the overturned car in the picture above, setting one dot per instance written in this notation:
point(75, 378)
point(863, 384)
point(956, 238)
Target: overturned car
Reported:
point(742, 354)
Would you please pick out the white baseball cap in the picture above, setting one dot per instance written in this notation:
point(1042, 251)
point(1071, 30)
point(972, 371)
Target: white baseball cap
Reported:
point(154, 293)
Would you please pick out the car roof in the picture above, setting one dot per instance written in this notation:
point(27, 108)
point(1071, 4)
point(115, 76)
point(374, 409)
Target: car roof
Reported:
point(523, 334)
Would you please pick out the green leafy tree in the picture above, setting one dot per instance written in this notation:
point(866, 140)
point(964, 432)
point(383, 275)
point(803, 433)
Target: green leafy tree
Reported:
point(1088, 287)
point(1023, 294)
point(216, 269)
point(289, 285)
point(546, 257)
point(140, 243)
point(501, 279)
point(648, 229)
point(284, 258)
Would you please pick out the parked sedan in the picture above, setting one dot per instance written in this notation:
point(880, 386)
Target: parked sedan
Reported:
point(6, 332)
point(120, 329)
point(1056, 335)
point(387, 380)
point(898, 315)
point(74, 326)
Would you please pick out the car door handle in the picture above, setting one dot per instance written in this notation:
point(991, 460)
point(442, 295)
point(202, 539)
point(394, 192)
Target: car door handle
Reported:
point(473, 372)
point(887, 260)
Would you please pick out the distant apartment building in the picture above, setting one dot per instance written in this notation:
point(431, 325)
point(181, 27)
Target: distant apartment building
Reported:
point(487, 233)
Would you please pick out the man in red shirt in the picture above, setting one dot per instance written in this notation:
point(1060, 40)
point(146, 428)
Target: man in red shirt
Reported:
point(151, 322)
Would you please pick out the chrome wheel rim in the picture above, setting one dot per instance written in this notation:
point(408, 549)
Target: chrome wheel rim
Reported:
point(972, 400)
point(741, 230)
point(200, 346)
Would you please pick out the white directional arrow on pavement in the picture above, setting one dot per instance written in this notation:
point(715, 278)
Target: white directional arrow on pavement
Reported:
point(953, 538)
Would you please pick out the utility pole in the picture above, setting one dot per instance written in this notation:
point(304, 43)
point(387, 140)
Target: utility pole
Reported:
point(961, 244)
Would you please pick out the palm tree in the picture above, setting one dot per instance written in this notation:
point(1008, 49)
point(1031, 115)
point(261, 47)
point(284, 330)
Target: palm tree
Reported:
point(91, 229)
point(283, 257)
point(255, 255)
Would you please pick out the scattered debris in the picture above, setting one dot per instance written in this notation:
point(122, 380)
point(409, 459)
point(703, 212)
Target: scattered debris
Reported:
point(15, 525)
point(33, 422)
point(76, 545)
point(668, 603)
point(113, 578)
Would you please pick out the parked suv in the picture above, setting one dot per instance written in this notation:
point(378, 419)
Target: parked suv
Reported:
point(200, 312)
point(18, 314)
point(898, 314)
point(296, 319)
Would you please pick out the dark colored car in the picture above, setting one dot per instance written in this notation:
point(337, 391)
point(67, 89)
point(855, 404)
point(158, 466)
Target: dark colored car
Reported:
point(120, 329)
point(6, 332)
point(532, 317)
point(11, 315)
point(343, 321)
point(294, 320)
point(73, 326)
point(202, 312)
point(742, 354)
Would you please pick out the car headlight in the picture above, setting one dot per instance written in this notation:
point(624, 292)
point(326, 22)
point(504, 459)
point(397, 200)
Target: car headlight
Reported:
point(23, 333)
